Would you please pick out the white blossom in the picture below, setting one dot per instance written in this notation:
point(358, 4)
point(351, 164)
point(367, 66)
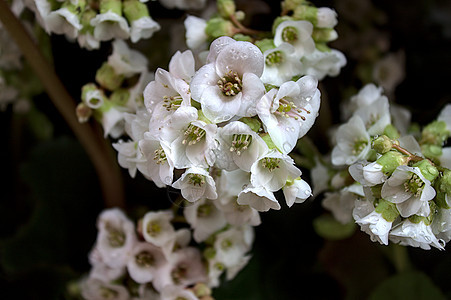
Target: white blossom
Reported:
point(63, 21)
point(296, 191)
point(110, 25)
point(145, 260)
point(96, 289)
point(259, 198)
point(281, 64)
point(195, 32)
point(412, 234)
point(371, 221)
point(298, 34)
point(157, 227)
point(196, 183)
point(126, 61)
point(143, 28)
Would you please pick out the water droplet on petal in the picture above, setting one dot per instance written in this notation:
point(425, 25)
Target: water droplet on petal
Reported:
point(286, 147)
point(168, 180)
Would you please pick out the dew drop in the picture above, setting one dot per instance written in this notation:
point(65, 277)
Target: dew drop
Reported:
point(287, 147)
point(308, 98)
point(168, 180)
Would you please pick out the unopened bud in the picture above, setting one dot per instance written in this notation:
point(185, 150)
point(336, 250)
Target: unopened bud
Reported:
point(307, 13)
point(444, 184)
point(289, 5)
point(392, 132)
point(85, 20)
point(382, 144)
point(226, 8)
point(201, 290)
point(432, 152)
point(387, 209)
point(435, 133)
point(390, 161)
point(323, 35)
point(107, 77)
point(83, 112)
point(428, 170)
point(120, 97)
point(135, 10)
point(114, 6)
point(217, 27)
point(326, 18)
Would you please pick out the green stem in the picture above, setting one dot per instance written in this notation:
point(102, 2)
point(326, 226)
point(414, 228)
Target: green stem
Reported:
point(400, 258)
point(94, 144)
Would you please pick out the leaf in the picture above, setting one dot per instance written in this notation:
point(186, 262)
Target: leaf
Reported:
point(408, 285)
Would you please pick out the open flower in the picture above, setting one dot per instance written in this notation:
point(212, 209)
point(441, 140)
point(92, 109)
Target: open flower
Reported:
point(418, 234)
point(231, 84)
point(281, 64)
point(258, 198)
point(289, 112)
point(298, 34)
point(196, 183)
point(157, 227)
point(371, 221)
point(145, 260)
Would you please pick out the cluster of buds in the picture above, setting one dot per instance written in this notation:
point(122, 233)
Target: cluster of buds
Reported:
point(296, 46)
point(154, 260)
point(91, 22)
point(396, 184)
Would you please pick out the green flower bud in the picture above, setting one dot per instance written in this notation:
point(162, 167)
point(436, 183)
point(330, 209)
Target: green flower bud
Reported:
point(324, 35)
point(217, 27)
point(432, 152)
point(226, 8)
point(242, 37)
point(435, 133)
point(382, 144)
point(305, 12)
point(107, 77)
point(201, 290)
point(387, 209)
point(392, 132)
point(92, 95)
point(323, 47)
point(428, 170)
point(120, 96)
point(85, 20)
point(289, 5)
point(135, 10)
point(265, 44)
point(114, 6)
point(390, 161)
point(253, 123)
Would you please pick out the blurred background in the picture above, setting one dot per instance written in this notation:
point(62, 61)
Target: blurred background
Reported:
point(51, 196)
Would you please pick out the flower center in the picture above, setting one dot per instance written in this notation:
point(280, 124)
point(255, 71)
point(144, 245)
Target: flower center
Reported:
point(196, 179)
point(240, 143)
point(144, 259)
point(290, 34)
point(230, 84)
point(288, 109)
point(414, 185)
point(172, 102)
point(193, 135)
point(204, 210)
point(275, 58)
point(358, 146)
point(160, 156)
point(179, 273)
point(116, 237)
point(226, 244)
point(270, 163)
point(153, 228)
point(107, 293)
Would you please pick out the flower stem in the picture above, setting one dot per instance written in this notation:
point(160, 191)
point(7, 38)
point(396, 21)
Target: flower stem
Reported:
point(400, 258)
point(243, 29)
point(94, 144)
point(412, 157)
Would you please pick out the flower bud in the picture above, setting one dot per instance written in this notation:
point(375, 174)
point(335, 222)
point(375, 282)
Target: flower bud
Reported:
point(390, 161)
point(392, 132)
point(120, 97)
point(435, 133)
point(387, 209)
point(428, 170)
point(107, 77)
point(307, 13)
point(92, 96)
point(226, 8)
point(85, 21)
point(114, 6)
point(83, 112)
point(382, 144)
point(135, 10)
point(323, 35)
point(201, 290)
point(326, 18)
point(432, 152)
point(289, 5)
point(217, 27)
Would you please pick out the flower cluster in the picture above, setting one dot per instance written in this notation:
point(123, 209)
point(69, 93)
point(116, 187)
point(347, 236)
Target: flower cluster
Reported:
point(396, 184)
point(154, 260)
point(297, 46)
point(91, 22)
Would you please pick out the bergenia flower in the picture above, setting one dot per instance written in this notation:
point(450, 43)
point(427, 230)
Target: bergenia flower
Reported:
point(196, 183)
point(418, 234)
point(144, 262)
point(289, 112)
point(409, 190)
point(230, 86)
point(371, 221)
point(281, 64)
point(157, 227)
point(296, 33)
point(126, 61)
point(258, 198)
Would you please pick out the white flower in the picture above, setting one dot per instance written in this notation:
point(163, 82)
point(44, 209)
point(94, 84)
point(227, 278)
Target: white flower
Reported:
point(63, 21)
point(157, 227)
point(412, 234)
point(196, 183)
point(88, 41)
point(322, 64)
point(145, 260)
point(273, 170)
point(326, 18)
point(281, 64)
point(96, 289)
point(371, 221)
point(367, 174)
point(240, 146)
point(389, 71)
point(296, 191)
point(353, 142)
point(116, 237)
point(159, 164)
point(180, 240)
point(195, 32)
point(320, 177)
point(376, 116)
point(367, 95)
point(298, 34)
point(231, 84)
point(100, 270)
point(126, 61)
point(110, 25)
point(185, 268)
point(231, 245)
point(205, 219)
point(182, 65)
point(171, 292)
point(258, 198)
point(143, 28)
point(441, 225)
point(409, 190)
point(289, 112)
point(340, 204)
